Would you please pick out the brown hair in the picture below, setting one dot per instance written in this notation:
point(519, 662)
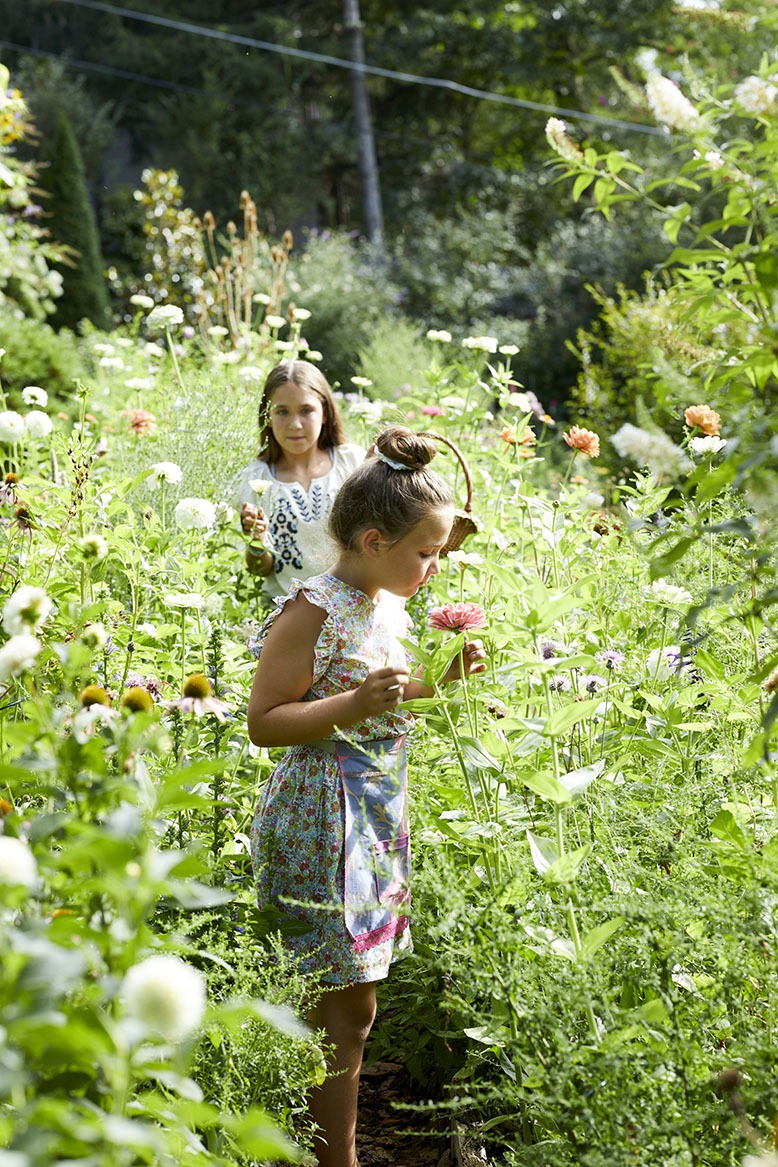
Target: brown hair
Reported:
point(305, 376)
point(393, 500)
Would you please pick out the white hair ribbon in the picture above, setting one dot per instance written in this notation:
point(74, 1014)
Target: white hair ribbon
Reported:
point(391, 462)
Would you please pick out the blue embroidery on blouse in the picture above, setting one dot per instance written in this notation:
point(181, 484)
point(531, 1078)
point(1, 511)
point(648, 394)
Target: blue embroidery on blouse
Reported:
point(283, 529)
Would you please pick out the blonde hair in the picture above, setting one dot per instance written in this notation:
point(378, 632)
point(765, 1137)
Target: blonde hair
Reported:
point(394, 500)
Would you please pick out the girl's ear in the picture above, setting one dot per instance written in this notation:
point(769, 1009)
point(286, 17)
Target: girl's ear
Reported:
point(372, 542)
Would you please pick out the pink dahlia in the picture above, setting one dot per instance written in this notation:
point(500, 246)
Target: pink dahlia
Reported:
point(458, 617)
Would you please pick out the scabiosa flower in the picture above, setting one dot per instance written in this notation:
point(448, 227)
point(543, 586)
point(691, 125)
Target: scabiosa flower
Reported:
point(197, 698)
point(612, 658)
point(669, 106)
point(34, 395)
point(669, 594)
point(140, 421)
point(560, 141)
point(139, 383)
point(165, 472)
point(11, 426)
point(438, 335)
point(369, 411)
point(584, 440)
point(273, 321)
point(195, 514)
point(560, 683)
point(591, 682)
point(548, 650)
point(17, 863)
point(140, 301)
point(755, 95)
point(137, 700)
point(709, 444)
point(93, 547)
point(95, 636)
point(704, 418)
point(166, 995)
point(18, 655)
point(457, 617)
point(164, 316)
point(94, 695)
point(26, 610)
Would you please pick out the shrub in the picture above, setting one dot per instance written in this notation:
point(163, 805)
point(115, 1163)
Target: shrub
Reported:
point(37, 355)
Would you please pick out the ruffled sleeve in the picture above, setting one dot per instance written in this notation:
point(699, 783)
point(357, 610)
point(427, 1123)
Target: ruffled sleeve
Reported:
point(315, 592)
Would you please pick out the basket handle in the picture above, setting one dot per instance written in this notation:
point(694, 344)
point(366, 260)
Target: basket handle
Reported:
point(465, 468)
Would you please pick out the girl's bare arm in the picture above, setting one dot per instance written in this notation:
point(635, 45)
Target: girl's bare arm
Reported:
point(277, 714)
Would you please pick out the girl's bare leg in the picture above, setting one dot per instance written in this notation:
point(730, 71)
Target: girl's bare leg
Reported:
point(346, 1016)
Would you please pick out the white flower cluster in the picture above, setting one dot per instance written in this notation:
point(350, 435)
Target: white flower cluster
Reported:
point(755, 95)
point(184, 600)
point(17, 863)
point(26, 610)
point(707, 444)
point(656, 451)
point(34, 395)
point(165, 996)
point(670, 594)
point(484, 344)
point(438, 335)
point(18, 655)
point(561, 142)
point(669, 106)
point(663, 663)
point(165, 472)
point(165, 316)
point(369, 411)
point(13, 426)
point(195, 514)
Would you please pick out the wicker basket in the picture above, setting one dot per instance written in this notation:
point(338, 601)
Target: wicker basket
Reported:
point(464, 523)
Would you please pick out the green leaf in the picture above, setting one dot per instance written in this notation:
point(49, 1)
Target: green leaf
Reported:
point(661, 564)
point(563, 719)
point(542, 851)
point(582, 182)
point(766, 268)
point(725, 827)
point(566, 868)
point(546, 786)
point(595, 939)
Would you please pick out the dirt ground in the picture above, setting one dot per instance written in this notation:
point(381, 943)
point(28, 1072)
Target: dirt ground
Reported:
point(391, 1137)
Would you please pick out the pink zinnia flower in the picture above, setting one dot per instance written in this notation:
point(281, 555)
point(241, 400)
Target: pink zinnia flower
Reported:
point(458, 617)
point(433, 410)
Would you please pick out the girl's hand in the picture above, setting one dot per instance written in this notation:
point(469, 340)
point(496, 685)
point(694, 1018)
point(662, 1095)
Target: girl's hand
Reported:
point(253, 521)
point(381, 691)
point(473, 656)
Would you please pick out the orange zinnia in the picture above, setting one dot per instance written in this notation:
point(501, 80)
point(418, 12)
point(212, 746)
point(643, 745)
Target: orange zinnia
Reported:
point(584, 440)
point(704, 418)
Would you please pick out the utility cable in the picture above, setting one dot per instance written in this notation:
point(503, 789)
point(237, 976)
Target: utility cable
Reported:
point(357, 67)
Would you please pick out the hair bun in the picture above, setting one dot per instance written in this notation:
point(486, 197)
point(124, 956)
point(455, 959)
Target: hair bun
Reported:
point(403, 445)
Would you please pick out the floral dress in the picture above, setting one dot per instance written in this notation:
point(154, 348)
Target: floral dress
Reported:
point(297, 518)
point(307, 814)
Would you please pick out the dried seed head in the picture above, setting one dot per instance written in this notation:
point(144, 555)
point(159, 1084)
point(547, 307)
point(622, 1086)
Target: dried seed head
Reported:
point(287, 240)
point(245, 198)
point(231, 228)
point(208, 221)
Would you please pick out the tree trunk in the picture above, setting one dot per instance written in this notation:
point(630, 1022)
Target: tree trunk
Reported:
point(368, 167)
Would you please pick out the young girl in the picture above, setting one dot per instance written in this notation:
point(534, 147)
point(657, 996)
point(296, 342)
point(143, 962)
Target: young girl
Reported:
point(330, 838)
point(303, 460)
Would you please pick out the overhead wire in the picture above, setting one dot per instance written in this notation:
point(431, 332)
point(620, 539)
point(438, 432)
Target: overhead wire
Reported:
point(359, 67)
